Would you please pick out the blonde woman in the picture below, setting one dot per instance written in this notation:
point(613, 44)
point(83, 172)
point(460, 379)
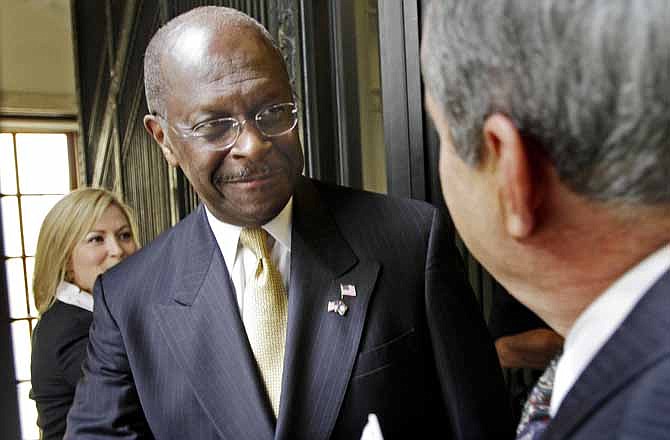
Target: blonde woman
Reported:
point(84, 234)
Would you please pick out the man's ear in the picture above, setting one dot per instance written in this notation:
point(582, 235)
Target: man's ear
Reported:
point(518, 190)
point(156, 131)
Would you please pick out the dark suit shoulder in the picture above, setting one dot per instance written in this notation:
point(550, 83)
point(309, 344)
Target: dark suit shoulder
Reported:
point(58, 349)
point(58, 330)
point(56, 343)
point(392, 231)
point(145, 273)
point(62, 322)
point(329, 190)
point(159, 248)
point(647, 408)
point(383, 211)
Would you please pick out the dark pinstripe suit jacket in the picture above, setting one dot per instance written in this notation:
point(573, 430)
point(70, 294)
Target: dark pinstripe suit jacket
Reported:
point(168, 356)
point(624, 393)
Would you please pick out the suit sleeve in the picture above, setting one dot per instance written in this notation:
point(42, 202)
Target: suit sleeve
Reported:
point(106, 404)
point(465, 357)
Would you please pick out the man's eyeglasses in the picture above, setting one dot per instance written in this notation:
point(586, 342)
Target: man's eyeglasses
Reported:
point(222, 133)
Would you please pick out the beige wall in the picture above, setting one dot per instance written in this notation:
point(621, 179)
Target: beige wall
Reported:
point(36, 58)
point(369, 89)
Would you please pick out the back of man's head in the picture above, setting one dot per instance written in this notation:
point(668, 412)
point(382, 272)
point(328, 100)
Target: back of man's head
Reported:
point(587, 82)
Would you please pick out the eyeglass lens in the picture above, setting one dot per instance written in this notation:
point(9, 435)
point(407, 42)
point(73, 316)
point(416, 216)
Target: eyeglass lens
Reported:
point(272, 121)
point(276, 120)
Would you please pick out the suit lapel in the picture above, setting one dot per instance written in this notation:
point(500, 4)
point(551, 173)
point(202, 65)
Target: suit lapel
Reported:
point(321, 346)
point(638, 343)
point(204, 331)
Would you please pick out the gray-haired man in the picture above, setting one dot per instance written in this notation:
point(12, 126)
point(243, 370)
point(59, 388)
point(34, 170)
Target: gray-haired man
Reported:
point(554, 121)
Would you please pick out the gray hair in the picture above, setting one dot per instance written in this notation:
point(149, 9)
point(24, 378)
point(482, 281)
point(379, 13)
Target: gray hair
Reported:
point(225, 20)
point(585, 81)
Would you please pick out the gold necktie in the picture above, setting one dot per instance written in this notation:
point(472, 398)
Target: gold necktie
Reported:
point(265, 313)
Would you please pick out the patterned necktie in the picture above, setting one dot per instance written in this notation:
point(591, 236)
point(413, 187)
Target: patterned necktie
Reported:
point(535, 416)
point(265, 314)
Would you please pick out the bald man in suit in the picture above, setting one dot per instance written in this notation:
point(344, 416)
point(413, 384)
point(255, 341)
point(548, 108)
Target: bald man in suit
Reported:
point(377, 316)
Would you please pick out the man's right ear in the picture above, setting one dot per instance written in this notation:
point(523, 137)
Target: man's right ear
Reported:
point(154, 128)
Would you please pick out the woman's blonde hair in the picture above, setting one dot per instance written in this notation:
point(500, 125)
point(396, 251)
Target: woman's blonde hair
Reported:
point(64, 226)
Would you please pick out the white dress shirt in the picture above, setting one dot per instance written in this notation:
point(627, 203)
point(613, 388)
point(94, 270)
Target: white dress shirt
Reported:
point(73, 295)
point(241, 261)
point(600, 320)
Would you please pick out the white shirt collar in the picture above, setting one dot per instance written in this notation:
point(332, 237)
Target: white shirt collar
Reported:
point(228, 236)
point(73, 295)
point(600, 320)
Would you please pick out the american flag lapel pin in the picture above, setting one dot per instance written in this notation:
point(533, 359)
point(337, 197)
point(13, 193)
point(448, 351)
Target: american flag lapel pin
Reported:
point(347, 290)
point(339, 306)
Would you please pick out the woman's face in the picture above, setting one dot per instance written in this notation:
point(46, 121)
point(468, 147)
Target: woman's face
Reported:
point(107, 243)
